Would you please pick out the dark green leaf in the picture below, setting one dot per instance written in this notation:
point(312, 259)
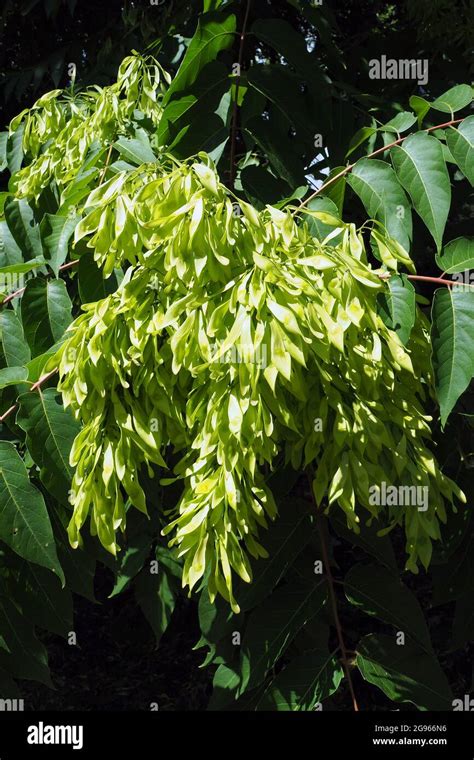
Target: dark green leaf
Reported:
point(404, 673)
point(454, 99)
point(379, 592)
point(50, 431)
point(274, 624)
point(457, 255)
point(377, 186)
point(25, 231)
point(56, 243)
point(461, 144)
point(397, 306)
point(452, 336)
point(215, 32)
point(421, 169)
point(307, 679)
point(24, 520)
point(28, 658)
point(46, 313)
point(16, 352)
point(286, 538)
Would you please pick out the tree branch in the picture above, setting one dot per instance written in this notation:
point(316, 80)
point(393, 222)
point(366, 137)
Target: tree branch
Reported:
point(235, 108)
point(35, 387)
point(425, 278)
point(332, 595)
point(377, 152)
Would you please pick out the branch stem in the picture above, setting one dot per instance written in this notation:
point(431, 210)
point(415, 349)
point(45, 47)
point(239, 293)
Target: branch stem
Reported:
point(235, 107)
point(332, 595)
point(377, 152)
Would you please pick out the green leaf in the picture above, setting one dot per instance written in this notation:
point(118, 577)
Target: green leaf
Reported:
point(308, 679)
point(376, 546)
point(262, 186)
point(282, 88)
point(318, 228)
point(25, 231)
point(454, 99)
point(156, 592)
point(274, 624)
point(12, 376)
point(15, 149)
point(461, 144)
point(404, 673)
point(421, 169)
point(56, 243)
point(457, 255)
point(45, 312)
point(216, 621)
point(397, 307)
point(400, 123)
point(15, 350)
point(92, 286)
point(10, 252)
point(380, 593)
point(377, 186)
point(284, 38)
point(22, 268)
point(189, 111)
point(215, 32)
point(46, 604)
point(3, 151)
point(336, 191)
point(420, 107)
point(28, 658)
point(131, 559)
point(452, 336)
point(224, 687)
point(272, 139)
point(24, 520)
point(360, 137)
point(50, 431)
point(136, 149)
point(284, 541)
point(78, 564)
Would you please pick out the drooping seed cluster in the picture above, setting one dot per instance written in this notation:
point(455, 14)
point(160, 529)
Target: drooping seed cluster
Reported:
point(229, 336)
point(235, 339)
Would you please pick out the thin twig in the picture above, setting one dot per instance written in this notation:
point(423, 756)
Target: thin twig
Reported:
point(425, 278)
point(332, 594)
point(107, 160)
point(20, 292)
point(35, 387)
point(377, 152)
point(235, 108)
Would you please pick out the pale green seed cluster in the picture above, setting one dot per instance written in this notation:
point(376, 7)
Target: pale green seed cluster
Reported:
point(59, 129)
point(234, 336)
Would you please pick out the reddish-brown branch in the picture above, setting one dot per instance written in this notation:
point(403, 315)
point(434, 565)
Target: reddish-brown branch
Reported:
point(35, 387)
point(425, 278)
point(235, 107)
point(377, 152)
point(333, 598)
point(20, 291)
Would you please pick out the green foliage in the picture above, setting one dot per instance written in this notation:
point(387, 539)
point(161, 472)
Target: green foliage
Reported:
point(212, 336)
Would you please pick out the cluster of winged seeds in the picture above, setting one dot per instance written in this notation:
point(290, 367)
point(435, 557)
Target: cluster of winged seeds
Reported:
point(235, 338)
